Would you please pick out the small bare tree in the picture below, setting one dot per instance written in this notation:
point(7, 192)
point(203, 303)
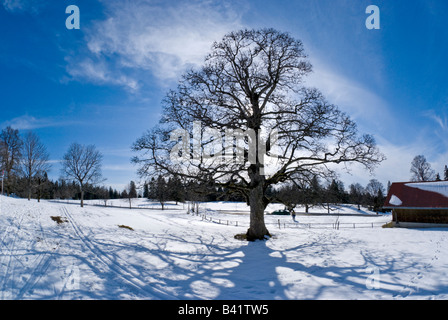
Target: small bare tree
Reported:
point(34, 161)
point(421, 170)
point(130, 192)
point(83, 165)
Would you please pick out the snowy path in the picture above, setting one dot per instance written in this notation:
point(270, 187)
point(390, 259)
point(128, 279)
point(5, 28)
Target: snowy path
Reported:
point(111, 264)
point(171, 255)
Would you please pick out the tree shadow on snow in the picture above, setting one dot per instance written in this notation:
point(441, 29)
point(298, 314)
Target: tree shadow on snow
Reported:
point(225, 270)
point(187, 266)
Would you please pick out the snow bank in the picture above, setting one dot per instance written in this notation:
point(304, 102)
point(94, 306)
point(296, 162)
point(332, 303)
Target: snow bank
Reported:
point(440, 187)
point(394, 200)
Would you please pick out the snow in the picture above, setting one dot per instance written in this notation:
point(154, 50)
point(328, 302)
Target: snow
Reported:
point(440, 187)
point(394, 200)
point(173, 255)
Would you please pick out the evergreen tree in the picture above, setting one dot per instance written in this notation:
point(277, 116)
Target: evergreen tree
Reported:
point(176, 190)
point(378, 201)
point(161, 191)
point(42, 186)
point(445, 173)
point(152, 186)
point(334, 193)
point(111, 193)
point(132, 190)
point(146, 190)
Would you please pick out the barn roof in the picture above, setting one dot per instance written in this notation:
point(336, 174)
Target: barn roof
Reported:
point(426, 195)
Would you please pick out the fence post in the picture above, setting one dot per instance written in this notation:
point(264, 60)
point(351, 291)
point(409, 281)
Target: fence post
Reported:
point(279, 224)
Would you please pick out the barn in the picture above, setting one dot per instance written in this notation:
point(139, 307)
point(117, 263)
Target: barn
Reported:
point(418, 204)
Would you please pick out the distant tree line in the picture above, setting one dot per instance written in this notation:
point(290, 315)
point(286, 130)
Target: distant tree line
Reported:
point(312, 193)
point(24, 164)
point(326, 195)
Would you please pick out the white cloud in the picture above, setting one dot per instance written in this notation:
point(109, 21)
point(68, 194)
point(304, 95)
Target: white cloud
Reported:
point(99, 72)
point(440, 119)
point(163, 38)
point(359, 102)
point(120, 167)
point(32, 6)
point(438, 129)
point(394, 169)
point(27, 122)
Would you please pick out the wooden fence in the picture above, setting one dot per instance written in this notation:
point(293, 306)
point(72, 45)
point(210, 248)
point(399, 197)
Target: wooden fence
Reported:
point(296, 225)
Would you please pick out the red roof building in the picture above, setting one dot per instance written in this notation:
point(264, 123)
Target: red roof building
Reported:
point(418, 203)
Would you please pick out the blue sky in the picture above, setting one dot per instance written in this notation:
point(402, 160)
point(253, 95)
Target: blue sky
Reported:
point(102, 84)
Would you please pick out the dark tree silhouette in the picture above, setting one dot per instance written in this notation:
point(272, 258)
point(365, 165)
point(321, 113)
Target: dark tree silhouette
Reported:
point(83, 165)
point(246, 122)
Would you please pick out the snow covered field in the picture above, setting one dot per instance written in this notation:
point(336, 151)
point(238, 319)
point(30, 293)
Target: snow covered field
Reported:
point(173, 255)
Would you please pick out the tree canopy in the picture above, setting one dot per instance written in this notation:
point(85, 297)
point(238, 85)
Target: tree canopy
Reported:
point(246, 121)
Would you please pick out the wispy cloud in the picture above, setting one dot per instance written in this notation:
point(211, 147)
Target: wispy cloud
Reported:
point(396, 167)
point(440, 119)
point(361, 103)
point(31, 6)
point(120, 167)
point(27, 122)
point(162, 38)
point(97, 71)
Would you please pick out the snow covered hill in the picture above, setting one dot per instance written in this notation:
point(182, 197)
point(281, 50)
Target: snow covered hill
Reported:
point(57, 250)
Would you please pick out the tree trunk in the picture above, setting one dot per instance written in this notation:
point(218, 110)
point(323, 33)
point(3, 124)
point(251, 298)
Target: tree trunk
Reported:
point(82, 198)
point(257, 229)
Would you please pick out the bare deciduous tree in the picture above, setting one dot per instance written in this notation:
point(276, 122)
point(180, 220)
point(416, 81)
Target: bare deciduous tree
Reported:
point(34, 161)
point(10, 154)
point(83, 165)
point(421, 170)
point(373, 187)
point(251, 85)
